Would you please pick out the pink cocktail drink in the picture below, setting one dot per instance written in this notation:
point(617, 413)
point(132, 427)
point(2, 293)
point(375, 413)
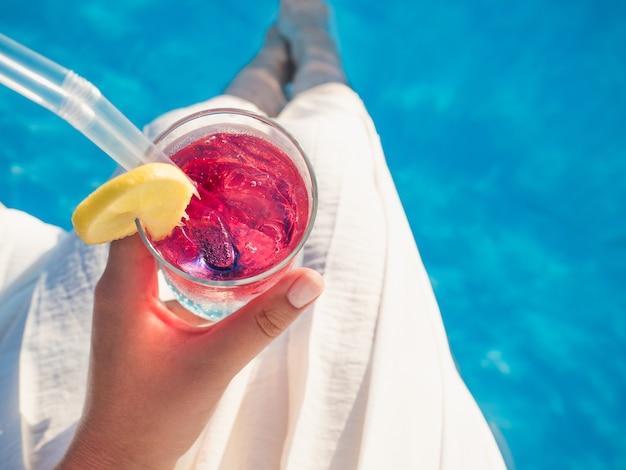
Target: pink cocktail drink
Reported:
point(254, 210)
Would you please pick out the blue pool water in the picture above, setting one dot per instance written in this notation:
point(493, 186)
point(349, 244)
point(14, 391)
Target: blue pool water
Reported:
point(504, 125)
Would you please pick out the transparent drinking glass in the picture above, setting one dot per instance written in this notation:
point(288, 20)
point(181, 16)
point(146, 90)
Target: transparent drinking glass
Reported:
point(213, 299)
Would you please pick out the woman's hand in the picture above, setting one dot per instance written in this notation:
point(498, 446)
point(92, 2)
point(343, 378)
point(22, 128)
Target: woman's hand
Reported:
point(154, 380)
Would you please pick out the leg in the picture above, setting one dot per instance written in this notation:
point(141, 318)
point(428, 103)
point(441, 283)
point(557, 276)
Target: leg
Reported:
point(264, 79)
point(304, 23)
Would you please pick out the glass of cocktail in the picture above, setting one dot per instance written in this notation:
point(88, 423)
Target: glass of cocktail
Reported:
point(256, 207)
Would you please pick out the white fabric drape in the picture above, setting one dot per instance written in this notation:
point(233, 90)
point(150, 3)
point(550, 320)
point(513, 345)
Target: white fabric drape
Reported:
point(363, 380)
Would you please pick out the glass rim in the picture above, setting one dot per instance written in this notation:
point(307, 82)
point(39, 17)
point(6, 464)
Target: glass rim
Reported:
point(309, 226)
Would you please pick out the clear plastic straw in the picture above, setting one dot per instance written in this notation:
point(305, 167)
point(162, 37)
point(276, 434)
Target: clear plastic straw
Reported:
point(77, 101)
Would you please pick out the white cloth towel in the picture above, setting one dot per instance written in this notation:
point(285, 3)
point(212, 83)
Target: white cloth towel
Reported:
point(363, 380)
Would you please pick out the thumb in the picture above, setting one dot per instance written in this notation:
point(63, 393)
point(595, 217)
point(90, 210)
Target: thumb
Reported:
point(245, 333)
point(130, 275)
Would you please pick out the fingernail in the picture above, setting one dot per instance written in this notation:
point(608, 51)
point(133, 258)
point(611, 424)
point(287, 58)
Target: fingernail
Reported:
point(305, 289)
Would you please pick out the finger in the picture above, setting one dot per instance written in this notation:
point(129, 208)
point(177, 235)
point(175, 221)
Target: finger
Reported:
point(241, 336)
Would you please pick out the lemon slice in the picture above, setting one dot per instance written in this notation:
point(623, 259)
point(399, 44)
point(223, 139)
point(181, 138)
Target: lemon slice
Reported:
point(155, 193)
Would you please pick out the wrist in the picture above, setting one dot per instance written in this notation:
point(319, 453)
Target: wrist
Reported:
point(91, 448)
